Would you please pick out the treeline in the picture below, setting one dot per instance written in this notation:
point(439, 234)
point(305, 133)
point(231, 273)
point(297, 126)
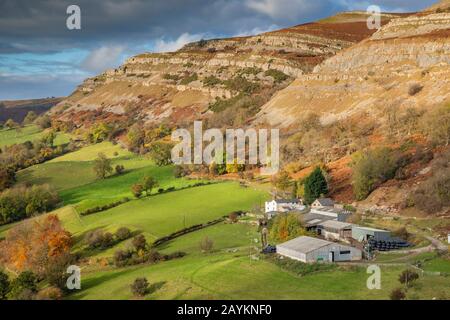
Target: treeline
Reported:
point(23, 202)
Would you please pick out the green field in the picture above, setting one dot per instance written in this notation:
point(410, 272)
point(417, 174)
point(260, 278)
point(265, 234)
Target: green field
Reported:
point(28, 133)
point(73, 176)
point(230, 273)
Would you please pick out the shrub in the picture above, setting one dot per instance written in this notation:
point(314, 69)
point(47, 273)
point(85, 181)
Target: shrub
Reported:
point(137, 189)
point(211, 81)
point(50, 293)
point(98, 239)
point(121, 257)
point(277, 75)
point(188, 79)
point(397, 294)
point(24, 286)
point(206, 244)
point(408, 276)
point(120, 169)
point(414, 89)
point(4, 285)
point(139, 287)
point(139, 242)
point(123, 233)
point(372, 168)
point(233, 217)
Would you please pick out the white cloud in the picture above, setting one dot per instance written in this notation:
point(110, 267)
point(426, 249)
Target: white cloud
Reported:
point(162, 45)
point(283, 9)
point(102, 58)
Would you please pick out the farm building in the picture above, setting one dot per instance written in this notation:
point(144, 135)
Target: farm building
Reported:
point(308, 249)
point(284, 206)
point(336, 214)
point(364, 234)
point(322, 202)
point(335, 230)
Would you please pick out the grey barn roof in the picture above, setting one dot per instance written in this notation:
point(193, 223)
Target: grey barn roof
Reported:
point(305, 244)
point(326, 202)
point(336, 224)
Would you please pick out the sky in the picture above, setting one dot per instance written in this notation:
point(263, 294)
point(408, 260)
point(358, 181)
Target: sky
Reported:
point(41, 57)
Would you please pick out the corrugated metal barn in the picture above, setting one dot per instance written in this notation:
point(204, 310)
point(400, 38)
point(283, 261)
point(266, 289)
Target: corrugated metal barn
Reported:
point(364, 234)
point(307, 249)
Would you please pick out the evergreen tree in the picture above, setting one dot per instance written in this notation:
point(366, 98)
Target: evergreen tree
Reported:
point(315, 186)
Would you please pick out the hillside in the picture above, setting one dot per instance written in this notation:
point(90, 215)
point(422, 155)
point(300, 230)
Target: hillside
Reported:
point(373, 74)
point(210, 76)
point(363, 97)
point(18, 109)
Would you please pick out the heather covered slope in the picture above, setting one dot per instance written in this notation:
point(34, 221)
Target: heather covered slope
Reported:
point(187, 84)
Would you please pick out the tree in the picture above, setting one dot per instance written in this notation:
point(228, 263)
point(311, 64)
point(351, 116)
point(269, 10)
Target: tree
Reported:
point(137, 189)
point(140, 287)
point(139, 242)
point(136, 136)
point(286, 227)
point(44, 121)
point(397, 294)
point(7, 178)
point(282, 181)
point(4, 285)
point(123, 233)
point(436, 124)
point(30, 118)
point(33, 244)
point(315, 186)
point(148, 184)
point(102, 166)
point(99, 132)
point(11, 124)
point(371, 168)
point(206, 244)
point(48, 138)
point(24, 286)
point(161, 153)
point(408, 276)
point(119, 169)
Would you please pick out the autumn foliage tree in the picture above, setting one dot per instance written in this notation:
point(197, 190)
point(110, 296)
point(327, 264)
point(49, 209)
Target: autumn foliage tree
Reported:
point(34, 245)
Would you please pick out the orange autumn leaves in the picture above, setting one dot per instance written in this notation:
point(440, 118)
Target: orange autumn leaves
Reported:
point(33, 244)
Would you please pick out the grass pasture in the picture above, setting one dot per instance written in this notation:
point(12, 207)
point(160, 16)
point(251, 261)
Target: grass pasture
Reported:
point(28, 133)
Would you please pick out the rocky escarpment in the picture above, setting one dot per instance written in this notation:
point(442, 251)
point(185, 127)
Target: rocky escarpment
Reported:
point(377, 73)
point(183, 85)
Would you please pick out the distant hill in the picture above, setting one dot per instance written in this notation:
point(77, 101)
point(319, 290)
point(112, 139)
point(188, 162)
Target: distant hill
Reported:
point(18, 109)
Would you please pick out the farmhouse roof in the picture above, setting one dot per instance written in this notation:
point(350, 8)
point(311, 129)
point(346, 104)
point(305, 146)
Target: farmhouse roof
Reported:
point(325, 202)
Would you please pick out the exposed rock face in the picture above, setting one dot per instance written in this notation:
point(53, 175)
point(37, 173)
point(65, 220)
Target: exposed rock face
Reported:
point(374, 74)
point(180, 86)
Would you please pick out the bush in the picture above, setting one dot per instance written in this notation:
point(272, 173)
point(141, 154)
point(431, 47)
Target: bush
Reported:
point(137, 190)
point(98, 239)
point(397, 294)
point(50, 293)
point(140, 287)
point(123, 233)
point(121, 257)
point(372, 168)
point(4, 285)
point(24, 286)
point(139, 242)
point(119, 169)
point(206, 244)
point(414, 89)
point(277, 75)
point(408, 276)
point(188, 79)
